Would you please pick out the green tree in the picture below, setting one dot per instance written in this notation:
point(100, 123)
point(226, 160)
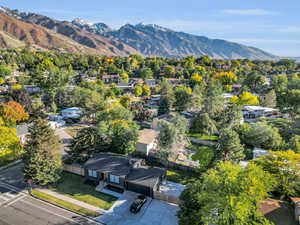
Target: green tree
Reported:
point(124, 136)
point(260, 135)
point(84, 144)
point(4, 71)
point(42, 158)
point(183, 98)
point(270, 99)
point(164, 105)
point(295, 143)
point(214, 102)
point(146, 73)
point(138, 90)
point(254, 80)
point(203, 124)
point(229, 147)
point(284, 165)
point(227, 195)
point(171, 134)
point(115, 113)
point(293, 100)
point(279, 83)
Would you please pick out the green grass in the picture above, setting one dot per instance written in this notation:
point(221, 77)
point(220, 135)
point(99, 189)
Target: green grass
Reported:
point(73, 186)
point(204, 137)
point(181, 177)
point(64, 204)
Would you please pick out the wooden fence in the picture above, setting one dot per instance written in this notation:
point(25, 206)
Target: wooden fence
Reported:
point(74, 168)
point(153, 160)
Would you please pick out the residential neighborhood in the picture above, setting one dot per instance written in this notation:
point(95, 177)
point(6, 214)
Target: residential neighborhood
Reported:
point(99, 129)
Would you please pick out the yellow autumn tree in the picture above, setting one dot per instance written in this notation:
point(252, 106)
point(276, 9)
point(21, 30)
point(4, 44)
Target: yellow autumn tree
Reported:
point(246, 98)
point(196, 77)
point(10, 146)
point(125, 77)
point(226, 77)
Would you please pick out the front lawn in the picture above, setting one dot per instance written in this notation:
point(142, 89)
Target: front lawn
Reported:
point(181, 177)
point(73, 186)
point(64, 204)
point(204, 137)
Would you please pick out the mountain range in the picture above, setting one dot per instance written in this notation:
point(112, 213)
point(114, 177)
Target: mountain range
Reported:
point(20, 29)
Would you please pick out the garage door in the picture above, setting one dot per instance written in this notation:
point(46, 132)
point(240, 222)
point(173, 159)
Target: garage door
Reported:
point(139, 189)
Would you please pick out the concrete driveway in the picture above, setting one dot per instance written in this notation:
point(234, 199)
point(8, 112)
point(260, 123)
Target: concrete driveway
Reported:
point(154, 212)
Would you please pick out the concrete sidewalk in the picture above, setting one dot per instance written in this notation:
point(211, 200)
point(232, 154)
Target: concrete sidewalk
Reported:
point(72, 200)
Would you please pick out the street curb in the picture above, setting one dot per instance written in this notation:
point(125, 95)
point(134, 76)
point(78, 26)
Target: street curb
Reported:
point(90, 218)
point(14, 163)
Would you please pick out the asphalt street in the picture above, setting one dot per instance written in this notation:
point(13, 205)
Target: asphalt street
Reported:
point(18, 208)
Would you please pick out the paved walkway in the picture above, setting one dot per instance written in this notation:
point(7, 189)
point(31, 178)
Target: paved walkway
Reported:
point(65, 139)
point(72, 200)
point(113, 193)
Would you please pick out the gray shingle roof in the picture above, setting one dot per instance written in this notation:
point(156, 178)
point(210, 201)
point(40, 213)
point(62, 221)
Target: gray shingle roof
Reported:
point(110, 163)
point(145, 176)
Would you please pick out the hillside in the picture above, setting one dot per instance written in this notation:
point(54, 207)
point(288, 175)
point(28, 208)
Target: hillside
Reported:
point(17, 34)
point(148, 40)
point(153, 40)
point(73, 38)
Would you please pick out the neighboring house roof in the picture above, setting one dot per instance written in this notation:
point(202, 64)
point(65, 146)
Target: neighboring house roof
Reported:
point(110, 76)
point(145, 176)
point(147, 136)
point(72, 110)
point(258, 108)
point(111, 163)
point(22, 129)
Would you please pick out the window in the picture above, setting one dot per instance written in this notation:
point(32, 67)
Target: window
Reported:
point(114, 179)
point(92, 173)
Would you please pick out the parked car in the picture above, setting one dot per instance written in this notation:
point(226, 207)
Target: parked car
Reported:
point(138, 204)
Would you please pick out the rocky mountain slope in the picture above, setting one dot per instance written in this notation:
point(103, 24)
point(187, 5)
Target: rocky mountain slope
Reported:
point(153, 40)
point(149, 40)
point(18, 34)
point(96, 28)
point(89, 42)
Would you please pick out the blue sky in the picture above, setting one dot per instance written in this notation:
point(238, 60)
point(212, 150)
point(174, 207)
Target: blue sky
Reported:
point(272, 25)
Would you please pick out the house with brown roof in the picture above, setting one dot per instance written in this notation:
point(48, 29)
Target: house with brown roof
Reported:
point(146, 141)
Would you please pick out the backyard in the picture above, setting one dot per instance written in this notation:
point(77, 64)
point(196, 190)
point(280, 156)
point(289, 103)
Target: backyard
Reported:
point(203, 137)
point(181, 177)
point(75, 187)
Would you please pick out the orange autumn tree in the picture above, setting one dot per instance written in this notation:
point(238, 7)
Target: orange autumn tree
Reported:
point(12, 112)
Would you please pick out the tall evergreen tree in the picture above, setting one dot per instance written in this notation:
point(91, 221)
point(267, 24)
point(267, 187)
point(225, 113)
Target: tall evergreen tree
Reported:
point(202, 124)
point(214, 100)
point(164, 106)
point(42, 158)
point(229, 146)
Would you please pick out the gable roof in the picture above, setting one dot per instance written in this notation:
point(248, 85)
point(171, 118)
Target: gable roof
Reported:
point(147, 136)
point(111, 163)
